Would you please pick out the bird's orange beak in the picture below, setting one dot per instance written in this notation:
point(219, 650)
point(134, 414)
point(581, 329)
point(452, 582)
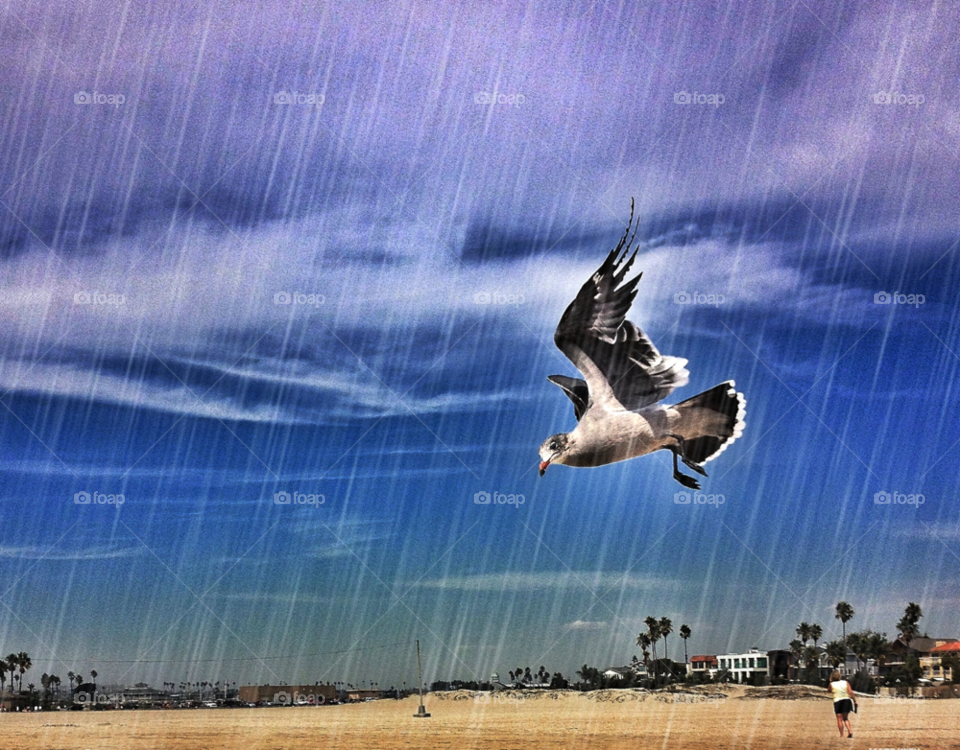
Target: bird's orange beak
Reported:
point(543, 467)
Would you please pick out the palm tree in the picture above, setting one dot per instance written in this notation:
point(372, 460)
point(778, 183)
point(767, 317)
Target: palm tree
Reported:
point(71, 676)
point(816, 633)
point(803, 632)
point(23, 664)
point(666, 628)
point(589, 675)
point(844, 613)
point(855, 642)
point(12, 662)
point(877, 647)
point(685, 633)
point(836, 653)
point(812, 658)
point(643, 641)
point(653, 630)
point(93, 676)
point(3, 674)
point(909, 626)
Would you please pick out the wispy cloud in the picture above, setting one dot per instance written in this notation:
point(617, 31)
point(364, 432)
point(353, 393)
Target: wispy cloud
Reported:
point(586, 625)
point(546, 581)
point(37, 552)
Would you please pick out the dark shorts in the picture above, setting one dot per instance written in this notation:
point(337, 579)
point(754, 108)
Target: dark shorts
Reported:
point(844, 706)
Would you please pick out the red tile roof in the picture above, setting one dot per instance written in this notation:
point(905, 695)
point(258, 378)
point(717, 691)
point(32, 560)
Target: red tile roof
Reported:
point(946, 648)
point(711, 659)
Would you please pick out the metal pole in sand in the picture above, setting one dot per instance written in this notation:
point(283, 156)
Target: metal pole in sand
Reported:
point(422, 711)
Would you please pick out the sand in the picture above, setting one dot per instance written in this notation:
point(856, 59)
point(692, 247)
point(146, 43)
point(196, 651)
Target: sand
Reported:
point(735, 718)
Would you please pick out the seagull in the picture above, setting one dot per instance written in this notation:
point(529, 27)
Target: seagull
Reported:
point(617, 403)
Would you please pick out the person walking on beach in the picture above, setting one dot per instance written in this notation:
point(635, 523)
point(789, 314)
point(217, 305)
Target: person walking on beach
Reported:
point(843, 701)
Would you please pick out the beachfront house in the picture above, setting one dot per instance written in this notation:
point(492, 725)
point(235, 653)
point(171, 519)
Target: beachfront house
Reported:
point(703, 666)
point(933, 664)
point(921, 648)
point(755, 667)
point(618, 674)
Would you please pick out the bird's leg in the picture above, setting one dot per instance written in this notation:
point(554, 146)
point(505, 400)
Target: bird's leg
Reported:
point(686, 481)
point(693, 465)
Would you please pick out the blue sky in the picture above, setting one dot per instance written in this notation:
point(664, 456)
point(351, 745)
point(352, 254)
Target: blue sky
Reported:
point(395, 205)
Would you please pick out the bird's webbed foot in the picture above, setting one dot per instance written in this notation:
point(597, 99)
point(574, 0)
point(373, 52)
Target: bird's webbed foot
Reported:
point(688, 482)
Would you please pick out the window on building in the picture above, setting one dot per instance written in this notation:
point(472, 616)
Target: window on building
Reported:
point(762, 663)
point(752, 664)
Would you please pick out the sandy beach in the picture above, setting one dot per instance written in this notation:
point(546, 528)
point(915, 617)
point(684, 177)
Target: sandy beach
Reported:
point(737, 718)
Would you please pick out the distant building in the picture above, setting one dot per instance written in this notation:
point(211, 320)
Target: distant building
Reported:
point(753, 667)
point(618, 674)
point(704, 665)
point(922, 648)
point(14, 701)
point(305, 695)
point(931, 662)
point(139, 694)
point(362, 695)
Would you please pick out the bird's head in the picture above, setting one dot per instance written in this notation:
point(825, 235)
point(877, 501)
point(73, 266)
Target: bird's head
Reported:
point(553, 449)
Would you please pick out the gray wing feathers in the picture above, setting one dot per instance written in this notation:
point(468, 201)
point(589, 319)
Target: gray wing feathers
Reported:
point(618, 361)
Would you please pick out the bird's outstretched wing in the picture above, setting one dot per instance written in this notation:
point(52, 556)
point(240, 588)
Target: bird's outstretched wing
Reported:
point(576, 391)
point(620, 364)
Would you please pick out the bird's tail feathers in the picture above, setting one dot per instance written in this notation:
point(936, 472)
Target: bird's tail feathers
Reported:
point(729, 408)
